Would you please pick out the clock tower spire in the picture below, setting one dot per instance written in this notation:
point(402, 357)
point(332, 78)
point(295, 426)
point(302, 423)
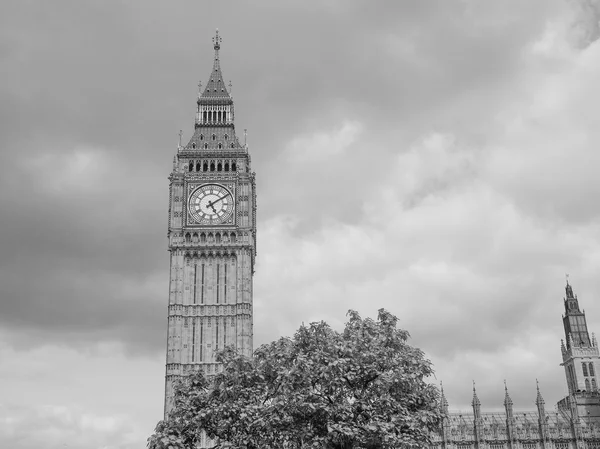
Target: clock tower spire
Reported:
point(211, 239)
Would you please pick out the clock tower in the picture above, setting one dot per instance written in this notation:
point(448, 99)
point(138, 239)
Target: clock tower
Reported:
point(212, 238)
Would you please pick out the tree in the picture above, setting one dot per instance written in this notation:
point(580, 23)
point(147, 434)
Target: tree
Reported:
point(361, 388)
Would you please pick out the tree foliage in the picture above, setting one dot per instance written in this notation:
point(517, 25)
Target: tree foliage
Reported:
point(363, 387)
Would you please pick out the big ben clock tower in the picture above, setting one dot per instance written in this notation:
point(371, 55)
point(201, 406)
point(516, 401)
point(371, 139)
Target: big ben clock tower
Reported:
point(212, 239)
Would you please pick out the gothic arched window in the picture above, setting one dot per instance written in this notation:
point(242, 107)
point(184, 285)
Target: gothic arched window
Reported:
point(220, 145)
point(188, 238)
point(201, 136)
point(584, 366)
point(219, 167)
point(233, 166)
point(587, 385)
point(226, 166)
point(194, 145)
point(205, 166)
point(191, 166)
point(594, 385)
point(203, 238)
point(214, 137)
point(212, 166)
point(205, 146)
point(591, 368)
point(198, 166)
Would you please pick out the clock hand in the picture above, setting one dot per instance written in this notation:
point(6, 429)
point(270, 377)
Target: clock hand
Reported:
point(212, 203)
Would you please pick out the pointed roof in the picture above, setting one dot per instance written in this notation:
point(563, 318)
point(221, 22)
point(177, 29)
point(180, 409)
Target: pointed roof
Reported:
point(215, 89)
point(569, 290)
point(475, 401)
point(507, 400)
point(539, 400)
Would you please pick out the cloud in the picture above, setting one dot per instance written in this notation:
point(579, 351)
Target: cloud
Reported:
point(323, 146)
point(585, 27)
point(61, 427)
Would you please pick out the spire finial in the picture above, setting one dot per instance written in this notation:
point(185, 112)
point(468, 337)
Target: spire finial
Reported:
point(507, 400)
point(180, 135)
point(230, 87)
point(567, 277)
point(217, 40)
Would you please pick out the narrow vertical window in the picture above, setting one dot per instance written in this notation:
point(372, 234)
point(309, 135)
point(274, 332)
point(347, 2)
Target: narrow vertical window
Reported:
point(201, 332)
point(217, 335)
point(224, 332)
point(225, 283)
point(585, 371)
point(193, 340)
point(195, 281)
point(202, 286)
point(591, 369)
point(218, 282)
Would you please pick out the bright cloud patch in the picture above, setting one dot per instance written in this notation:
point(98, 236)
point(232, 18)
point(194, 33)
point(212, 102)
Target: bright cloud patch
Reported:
point(323, 145)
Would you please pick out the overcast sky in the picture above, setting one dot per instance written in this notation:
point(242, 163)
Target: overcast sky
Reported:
point(436, 158)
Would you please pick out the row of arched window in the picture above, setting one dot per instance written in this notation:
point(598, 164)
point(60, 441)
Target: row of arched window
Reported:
point(201, 166)
point(214, 116)
point(591, 386)
point(219, 145)
point(214, 137)
point(585, 366)
point(218, 237)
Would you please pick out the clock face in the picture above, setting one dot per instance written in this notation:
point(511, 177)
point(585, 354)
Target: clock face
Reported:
point(211, 204)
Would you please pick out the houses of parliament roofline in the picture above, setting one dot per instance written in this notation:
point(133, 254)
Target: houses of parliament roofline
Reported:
point(575, 424)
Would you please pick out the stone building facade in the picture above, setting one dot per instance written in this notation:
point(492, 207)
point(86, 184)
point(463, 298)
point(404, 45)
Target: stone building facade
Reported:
point(575, 424)
point(211, 238)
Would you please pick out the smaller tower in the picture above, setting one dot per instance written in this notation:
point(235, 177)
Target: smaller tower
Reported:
point(510, 418)
point(477, 420)
point(542, 418)
point(581, 360)
point(445, 417)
